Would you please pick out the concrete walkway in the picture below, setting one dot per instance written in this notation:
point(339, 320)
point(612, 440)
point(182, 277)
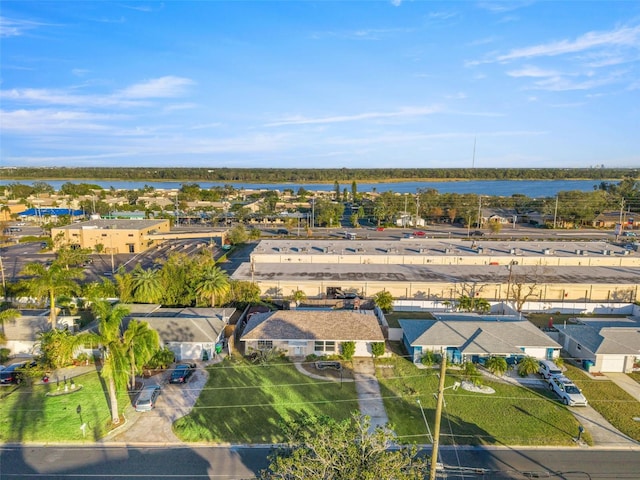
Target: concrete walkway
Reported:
point(626, 383)
point(368, 388)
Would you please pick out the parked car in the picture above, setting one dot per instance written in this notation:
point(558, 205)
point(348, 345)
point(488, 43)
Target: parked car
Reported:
point(569, 393)
point(282, 231)
point(147, 398)
point(477, 233)
point(419, 233)
point(548, 369)
point(182, 372)
point(14, 374)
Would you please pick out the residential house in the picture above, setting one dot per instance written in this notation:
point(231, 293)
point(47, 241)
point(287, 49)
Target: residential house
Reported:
point(304, 332)
point(473, 338)
point(603, 345)
point(191, 333)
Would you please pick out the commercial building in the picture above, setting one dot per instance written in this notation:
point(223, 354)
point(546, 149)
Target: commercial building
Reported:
point(442, 270)
point(112, 236)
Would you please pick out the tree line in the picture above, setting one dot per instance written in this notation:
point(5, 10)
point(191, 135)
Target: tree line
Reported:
point(312, 175)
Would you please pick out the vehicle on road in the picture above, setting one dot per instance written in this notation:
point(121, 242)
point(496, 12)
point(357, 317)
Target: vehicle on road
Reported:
point(14, 373)
point(380, 229)
point(419, 233)
point(147, 398)
point(477, 233)
point(182, 373)
point(282, 231)
point(548, 369)
point(350, 235)
point(569, 393)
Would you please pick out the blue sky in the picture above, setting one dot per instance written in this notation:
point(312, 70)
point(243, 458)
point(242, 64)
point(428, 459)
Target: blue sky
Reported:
point(320, 84)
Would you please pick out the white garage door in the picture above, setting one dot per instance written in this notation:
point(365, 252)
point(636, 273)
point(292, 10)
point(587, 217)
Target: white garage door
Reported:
point(612, 363)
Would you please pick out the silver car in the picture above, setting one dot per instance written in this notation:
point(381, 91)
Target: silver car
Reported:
point(569, 393)
point(147, 398)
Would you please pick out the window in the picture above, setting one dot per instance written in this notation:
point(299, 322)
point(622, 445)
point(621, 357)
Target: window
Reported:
point(325, 346)
point(265, 344)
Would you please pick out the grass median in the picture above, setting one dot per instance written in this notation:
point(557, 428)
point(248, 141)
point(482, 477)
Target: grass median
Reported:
point(28, 414)
point(245, 403)
point(513, 415)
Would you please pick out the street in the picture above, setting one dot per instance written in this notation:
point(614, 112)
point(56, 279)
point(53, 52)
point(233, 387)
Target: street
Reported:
point(236, 463)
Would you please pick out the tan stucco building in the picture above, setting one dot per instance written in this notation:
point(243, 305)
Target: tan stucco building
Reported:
point(112, 236)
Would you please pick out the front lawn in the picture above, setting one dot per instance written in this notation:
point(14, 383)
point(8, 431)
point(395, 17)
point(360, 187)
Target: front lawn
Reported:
point(513, 415)
point(28, 414)
point(612, 402)
point(246, 403)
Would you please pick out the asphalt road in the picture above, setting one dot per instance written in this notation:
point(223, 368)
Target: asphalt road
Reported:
point(235, 463)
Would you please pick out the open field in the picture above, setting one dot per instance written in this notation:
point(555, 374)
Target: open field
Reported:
point(246, 403)
point(28, 414)
point(513, 415)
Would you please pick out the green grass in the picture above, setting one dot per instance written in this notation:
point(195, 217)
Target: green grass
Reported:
point(28, 414)
point(513, 415)
point(393, 317)
point(635, 376)
point(541, 320)
point(612, 402)
point(243, 402)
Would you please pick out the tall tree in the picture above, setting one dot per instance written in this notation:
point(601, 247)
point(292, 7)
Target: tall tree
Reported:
point(51, 282)
point(115, 361)
point(140, 344)
point(320, 448)
point(147, 287)
point(210, 283)
point(384, 301)
point(354, 191)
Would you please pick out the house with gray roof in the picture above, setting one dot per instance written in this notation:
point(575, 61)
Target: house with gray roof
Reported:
point(472, 338)
point(603, 345)
point(187, 332)
point(304, 332)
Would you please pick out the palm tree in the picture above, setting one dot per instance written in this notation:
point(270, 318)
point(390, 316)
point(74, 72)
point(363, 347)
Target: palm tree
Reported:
point(51, 281)
point(147, 286)
point(497, 365)
point(528, 366)
point(384, 300)
point(115, 362)
point(6, 316)
point(140, 343)
point(211, 283)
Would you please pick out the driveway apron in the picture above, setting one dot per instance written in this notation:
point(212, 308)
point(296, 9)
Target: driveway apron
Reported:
point(368, 389)
point(155, 426)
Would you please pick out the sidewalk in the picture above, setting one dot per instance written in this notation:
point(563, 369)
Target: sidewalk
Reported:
point(369, 395)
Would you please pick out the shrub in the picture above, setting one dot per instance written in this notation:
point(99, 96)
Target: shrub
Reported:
point(378, 349)
point(497, 365)
point(348, 350)
point(4, 354)
point(428, 358)
point(527, 366)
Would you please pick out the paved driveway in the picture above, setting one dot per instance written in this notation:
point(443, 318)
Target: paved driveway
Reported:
point(155, 427)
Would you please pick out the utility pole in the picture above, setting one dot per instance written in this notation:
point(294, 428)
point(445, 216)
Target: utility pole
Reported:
point(479, 211)
point(555, 213)
point(436, 431)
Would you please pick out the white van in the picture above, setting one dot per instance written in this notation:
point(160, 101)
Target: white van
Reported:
point(548, 369)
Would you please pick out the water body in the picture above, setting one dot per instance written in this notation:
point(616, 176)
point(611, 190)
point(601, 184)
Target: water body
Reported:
point(505, 188)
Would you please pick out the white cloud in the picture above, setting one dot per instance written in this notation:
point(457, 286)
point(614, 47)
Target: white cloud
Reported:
point(45, 121)
point(403, 112)
point(532, 71)
point(396, 3)
point(163, 87)
point(11, 27)
point(45, 96)
point(624, 36)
